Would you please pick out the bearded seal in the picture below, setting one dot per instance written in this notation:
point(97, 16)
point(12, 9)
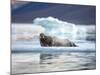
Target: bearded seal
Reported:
point(48, 41)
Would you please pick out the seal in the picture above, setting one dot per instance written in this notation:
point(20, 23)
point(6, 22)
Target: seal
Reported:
point(49, 41)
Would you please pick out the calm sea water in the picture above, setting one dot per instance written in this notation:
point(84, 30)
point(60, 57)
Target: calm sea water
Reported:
point(54, 61)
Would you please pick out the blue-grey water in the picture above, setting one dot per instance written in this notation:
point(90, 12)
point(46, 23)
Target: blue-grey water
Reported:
point(32, 62)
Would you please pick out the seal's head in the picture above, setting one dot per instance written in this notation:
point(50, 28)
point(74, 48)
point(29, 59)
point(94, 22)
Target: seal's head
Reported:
point(42, 39)
point(42, 35)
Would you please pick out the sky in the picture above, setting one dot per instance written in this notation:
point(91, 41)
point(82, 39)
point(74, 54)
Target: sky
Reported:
point(26, 12)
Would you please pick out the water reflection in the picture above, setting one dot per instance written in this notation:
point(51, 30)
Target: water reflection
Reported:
point(46, 62)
